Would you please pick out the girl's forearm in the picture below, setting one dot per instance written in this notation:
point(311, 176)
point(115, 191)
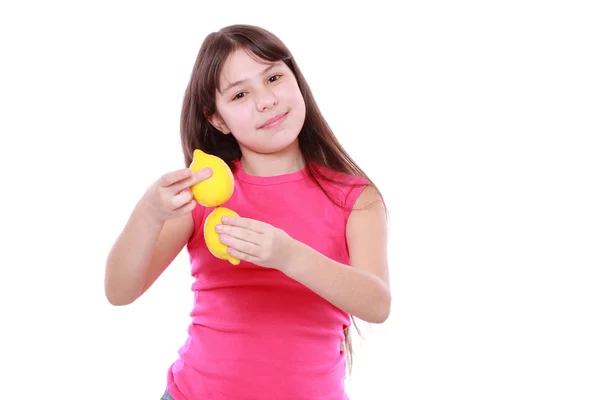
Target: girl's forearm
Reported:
point(127, 262)
point(353, 290)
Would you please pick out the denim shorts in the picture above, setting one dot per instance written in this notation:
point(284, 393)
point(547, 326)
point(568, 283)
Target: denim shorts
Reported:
point(166, 396)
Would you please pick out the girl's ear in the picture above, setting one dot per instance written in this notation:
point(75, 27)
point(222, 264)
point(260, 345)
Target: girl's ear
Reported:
point(216, 121)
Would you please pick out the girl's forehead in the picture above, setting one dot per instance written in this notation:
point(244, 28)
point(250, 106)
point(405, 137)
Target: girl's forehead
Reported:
point(240, 60)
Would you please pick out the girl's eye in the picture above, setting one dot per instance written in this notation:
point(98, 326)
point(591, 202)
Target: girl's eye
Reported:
point(271, 79)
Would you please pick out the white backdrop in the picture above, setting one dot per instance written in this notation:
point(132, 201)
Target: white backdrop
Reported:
point(479, 121)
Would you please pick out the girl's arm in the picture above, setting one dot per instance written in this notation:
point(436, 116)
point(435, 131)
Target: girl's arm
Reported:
point(361, 289)
point(158, 228)
point(142, 252)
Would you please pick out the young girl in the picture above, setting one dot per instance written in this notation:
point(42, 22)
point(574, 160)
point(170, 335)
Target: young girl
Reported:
point(311, 235)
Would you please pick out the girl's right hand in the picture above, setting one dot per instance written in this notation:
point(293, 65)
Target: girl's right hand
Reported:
point(169, 197)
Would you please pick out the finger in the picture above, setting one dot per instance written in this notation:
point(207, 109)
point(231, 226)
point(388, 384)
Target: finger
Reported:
point(239, 245)
point(181, 199)
point(243, 256)
point(187, 207)
point(240, 233)
point(174, 176)
point(196, 177)
point(247, 223)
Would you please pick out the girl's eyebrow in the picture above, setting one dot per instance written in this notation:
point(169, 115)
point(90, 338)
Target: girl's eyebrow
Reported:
point(246, 80)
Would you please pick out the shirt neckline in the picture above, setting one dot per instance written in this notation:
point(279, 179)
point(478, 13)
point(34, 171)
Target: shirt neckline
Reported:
point(240, 174)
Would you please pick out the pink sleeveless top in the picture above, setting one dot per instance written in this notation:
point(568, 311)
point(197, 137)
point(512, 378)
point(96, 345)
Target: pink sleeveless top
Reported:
point(256, 333)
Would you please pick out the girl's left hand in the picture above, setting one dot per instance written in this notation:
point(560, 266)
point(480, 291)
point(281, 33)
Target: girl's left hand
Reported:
point(256, 241)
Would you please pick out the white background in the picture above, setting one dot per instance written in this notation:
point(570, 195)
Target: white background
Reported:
point(479, 121)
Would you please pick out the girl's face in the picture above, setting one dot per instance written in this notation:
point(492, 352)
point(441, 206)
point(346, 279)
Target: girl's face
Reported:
point(259, 103)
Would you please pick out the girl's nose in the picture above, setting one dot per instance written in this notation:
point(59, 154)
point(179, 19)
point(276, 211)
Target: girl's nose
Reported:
point(266, 100)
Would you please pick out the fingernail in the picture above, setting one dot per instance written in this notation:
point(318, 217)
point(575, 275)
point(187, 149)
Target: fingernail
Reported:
point(203, 172)
point(219, 228)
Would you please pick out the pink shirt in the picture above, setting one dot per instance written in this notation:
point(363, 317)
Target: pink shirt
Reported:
point(256, 333)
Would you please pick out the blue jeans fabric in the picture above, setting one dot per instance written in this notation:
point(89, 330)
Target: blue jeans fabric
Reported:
point(166, 396)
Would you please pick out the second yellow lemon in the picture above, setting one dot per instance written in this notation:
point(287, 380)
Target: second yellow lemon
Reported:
point(211, 236)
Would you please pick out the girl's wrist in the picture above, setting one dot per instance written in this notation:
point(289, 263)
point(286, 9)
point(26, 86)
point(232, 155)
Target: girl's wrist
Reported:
point(146, 213)
point(298, 259)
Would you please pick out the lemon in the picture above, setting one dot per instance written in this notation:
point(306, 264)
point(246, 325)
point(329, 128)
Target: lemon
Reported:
point(218, 188)
point(211, 236)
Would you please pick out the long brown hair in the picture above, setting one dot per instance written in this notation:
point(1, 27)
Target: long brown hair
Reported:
point(318, 144)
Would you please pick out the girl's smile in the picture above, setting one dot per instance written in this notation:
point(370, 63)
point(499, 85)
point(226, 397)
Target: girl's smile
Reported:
point(274, 122)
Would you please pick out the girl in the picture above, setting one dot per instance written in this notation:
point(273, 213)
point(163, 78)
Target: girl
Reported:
point(311, 235)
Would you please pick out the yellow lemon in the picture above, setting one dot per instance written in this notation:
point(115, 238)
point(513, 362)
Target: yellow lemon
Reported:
point(211, 236)
point(218, 188)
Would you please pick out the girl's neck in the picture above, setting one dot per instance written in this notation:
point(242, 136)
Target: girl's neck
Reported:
point(286, 161)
